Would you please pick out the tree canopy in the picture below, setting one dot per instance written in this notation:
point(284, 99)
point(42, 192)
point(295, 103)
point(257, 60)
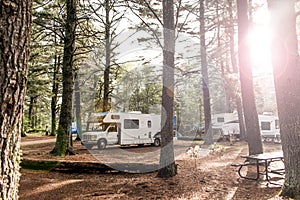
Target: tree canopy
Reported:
point(188, 58)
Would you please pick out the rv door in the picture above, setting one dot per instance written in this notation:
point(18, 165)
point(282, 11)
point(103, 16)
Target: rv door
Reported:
point(112, 134)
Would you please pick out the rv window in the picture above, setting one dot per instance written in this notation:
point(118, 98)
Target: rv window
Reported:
point(131, 124)
point(115, 116)
point(220, 119)
point(112, 129)
point(149, 124)
point(265, 126)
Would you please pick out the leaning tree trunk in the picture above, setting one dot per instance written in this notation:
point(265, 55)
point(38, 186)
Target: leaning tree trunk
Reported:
point(248, 99)
point(167, 160)
point(65, 118)
point(286, 69)
point(15, 26)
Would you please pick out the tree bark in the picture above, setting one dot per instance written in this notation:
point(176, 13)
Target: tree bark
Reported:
point(106, 102)
point(31, 112)
point(248, 99)
point(65, 119)
point(15, 28)
point(78, 107)
point(167, 161)
point(205, 82)
point(54, 93)
point(286, 69)
point(235, 70)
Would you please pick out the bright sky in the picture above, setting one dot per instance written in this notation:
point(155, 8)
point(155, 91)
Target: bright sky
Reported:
point(259, 42)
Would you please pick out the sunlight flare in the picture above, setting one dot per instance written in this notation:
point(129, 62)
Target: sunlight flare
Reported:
point(259, 41)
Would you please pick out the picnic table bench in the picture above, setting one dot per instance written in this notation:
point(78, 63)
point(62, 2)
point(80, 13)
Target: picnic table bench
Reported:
point(264, 160)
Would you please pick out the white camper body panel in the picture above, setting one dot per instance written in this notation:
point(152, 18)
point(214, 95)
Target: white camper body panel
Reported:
point(135, 127)
point(123, 129)
point(218, 120)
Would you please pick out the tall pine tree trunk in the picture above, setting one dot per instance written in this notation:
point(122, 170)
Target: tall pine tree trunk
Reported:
point(65, 118)
point(235, 70)
point(55, 87)
point(248, 99)
point(286, 69)
point(106, 102)
point(167, 160)
point(15, 20)
point(54, 94)
point(78, 107)
point(31, 113)
point(205, 82)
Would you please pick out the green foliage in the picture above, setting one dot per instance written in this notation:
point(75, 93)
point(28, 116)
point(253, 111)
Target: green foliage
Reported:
point(138, 89)
point(36, 132)
point(143, 99)
point(46, 45)
point(216, 148)
point(46, 60)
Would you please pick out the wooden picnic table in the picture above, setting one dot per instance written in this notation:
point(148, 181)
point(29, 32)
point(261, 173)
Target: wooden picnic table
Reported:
point(263, 159)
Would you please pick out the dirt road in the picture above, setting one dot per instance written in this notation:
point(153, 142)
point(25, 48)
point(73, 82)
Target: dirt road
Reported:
point(209, 177)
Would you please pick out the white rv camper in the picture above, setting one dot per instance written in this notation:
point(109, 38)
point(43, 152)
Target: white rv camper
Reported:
point(218, 120)
point(122, 129)
point(269, 127)
point(228, 122)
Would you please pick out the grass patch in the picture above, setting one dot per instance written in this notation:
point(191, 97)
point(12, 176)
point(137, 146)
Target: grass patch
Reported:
point(197, 142)
point(38, 132)
point(39, 165)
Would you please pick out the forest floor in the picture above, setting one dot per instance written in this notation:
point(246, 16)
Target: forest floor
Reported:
point(208, 177)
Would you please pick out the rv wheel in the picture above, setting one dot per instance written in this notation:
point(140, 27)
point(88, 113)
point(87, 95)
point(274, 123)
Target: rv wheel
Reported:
point(157, 142)
point(101, 144)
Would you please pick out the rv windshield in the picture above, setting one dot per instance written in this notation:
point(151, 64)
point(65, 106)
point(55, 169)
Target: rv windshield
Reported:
point(95, 127)
point(98, 126)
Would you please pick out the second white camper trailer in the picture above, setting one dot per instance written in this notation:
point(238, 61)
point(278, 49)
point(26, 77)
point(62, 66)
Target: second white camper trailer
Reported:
point(228, 122)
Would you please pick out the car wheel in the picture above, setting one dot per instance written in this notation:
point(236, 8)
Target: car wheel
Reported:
point(157, 142)
point(101, 144)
